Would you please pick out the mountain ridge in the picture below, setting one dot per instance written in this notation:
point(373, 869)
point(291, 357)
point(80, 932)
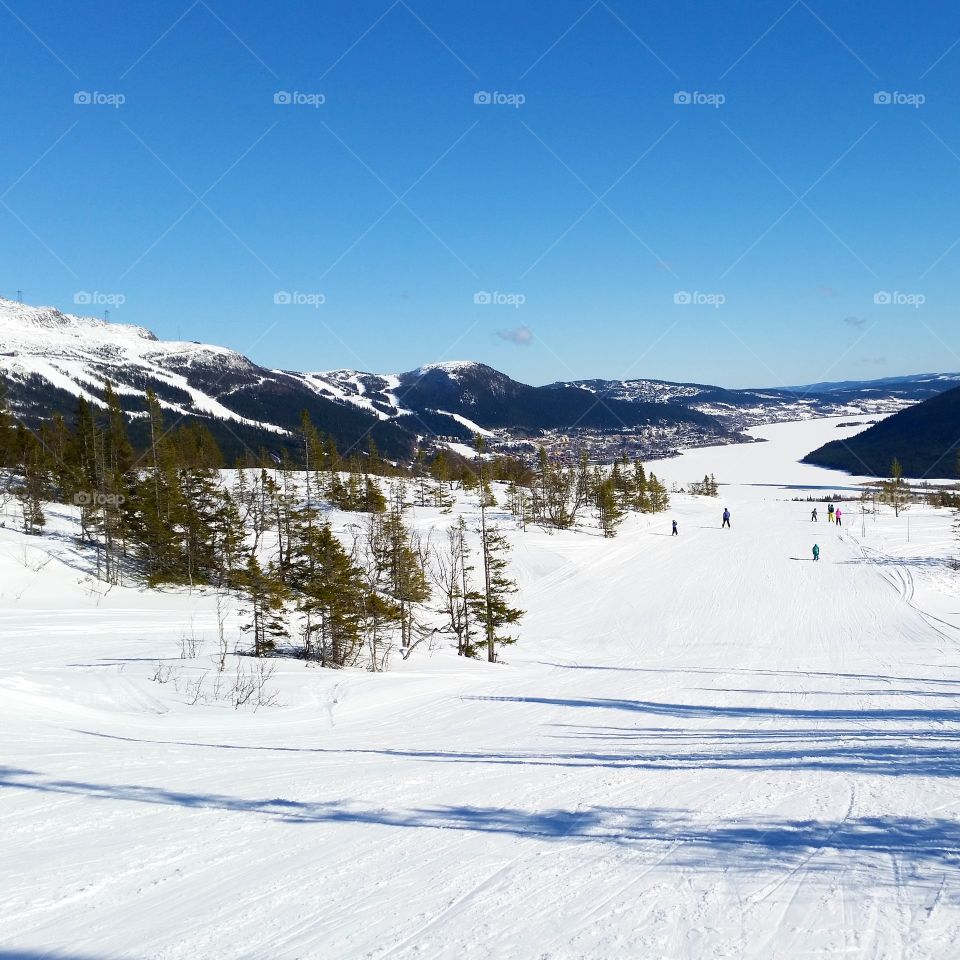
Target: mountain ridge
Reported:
point(49, 358)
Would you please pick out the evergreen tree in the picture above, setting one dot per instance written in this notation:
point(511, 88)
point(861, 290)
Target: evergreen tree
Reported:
point(554, 487)
point(657, 497)
point(266, 596)
point(519, 503)
point(330, 596)
point(895, 492)
point(639, 488)
point(159, 506)
point(421, 478)
point(491, 606)
point(406, 580)
point(33, 490)
point(373, 500)
point(609, 511)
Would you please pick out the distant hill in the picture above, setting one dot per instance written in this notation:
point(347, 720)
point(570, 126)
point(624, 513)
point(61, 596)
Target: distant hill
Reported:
point(739, 409)
point(48, 359)
point(925, 438)
point(917, 386)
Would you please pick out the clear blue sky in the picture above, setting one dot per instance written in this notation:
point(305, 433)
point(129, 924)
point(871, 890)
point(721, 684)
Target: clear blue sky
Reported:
point(590, 208)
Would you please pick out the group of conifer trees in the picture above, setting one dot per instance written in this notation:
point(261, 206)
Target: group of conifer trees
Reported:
point(707, 487)
point(170, 515)
point(556, 495)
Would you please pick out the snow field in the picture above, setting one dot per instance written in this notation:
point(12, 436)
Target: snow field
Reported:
point(704, 746)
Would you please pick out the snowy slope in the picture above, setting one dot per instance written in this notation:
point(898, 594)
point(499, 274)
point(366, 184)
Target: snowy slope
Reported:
point(47, 359)
point(705, 746)
point(80, 353)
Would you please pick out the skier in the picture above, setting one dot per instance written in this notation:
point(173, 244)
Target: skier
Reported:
point(813, 516)
point(837, 516)
point(726, 518)
point(676, 532)
point(816, 552)
point(830, 513)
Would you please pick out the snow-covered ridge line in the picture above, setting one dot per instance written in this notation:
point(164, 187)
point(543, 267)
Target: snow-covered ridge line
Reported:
point(46, 354)
point(452, 367)
point(78, 354)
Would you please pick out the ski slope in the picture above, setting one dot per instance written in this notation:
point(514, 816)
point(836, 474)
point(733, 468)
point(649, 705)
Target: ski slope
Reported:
point(704, 747)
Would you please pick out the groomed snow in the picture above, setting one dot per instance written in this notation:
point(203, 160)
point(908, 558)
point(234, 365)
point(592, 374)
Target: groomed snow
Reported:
point(703, 747)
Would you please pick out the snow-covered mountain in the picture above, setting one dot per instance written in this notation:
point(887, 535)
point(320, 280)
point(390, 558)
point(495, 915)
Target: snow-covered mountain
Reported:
point(48, 359)
point(738, 409)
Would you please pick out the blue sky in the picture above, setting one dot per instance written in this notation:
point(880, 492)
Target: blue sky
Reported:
point(744, 238)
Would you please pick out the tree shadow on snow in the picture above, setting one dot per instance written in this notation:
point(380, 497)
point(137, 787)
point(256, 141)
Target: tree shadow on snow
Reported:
point(737, 671)
point(892, 752)
point(705, 711)
point(732, 844)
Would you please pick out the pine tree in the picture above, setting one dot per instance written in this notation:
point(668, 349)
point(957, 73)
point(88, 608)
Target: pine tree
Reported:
point(895, 492)
point(519, 503)
point(554, 488)
point(657, 498)
point(441, 472)
point(229, 536)
point(639, 488)
point(609, 511)
point(491, 606)
point(406, 580)
point(34, 488)
point(421, 478)
point(373, 500)
point(330, 596)
point(159, 505)
point(200, 503)
point(266, 597)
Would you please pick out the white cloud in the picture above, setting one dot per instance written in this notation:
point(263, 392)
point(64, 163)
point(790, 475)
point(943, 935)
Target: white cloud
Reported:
point(520, 336)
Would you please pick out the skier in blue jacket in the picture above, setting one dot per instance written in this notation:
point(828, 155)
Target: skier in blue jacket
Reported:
point(726, 518)
point(816, 552)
